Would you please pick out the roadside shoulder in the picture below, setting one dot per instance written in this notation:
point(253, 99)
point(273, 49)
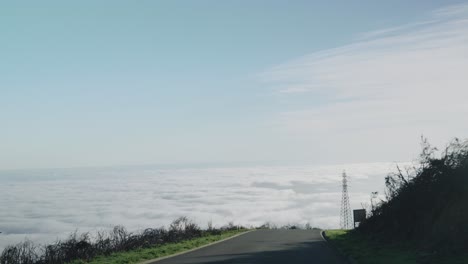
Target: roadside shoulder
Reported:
point(338, 251)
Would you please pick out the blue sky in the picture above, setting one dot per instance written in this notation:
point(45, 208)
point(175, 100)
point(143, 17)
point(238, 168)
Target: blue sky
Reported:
point(173, 82)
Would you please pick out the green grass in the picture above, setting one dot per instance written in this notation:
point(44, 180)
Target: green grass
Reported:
point(139, 255)
point(367, 251)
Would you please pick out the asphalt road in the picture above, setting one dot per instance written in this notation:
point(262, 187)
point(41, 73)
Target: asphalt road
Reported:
point(264, 246)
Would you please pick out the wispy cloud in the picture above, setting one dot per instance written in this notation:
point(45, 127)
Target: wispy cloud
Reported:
point(411, 77)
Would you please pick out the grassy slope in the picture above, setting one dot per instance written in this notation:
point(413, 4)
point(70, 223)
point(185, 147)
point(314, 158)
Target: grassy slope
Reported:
point(143, 254)
point(365, 251)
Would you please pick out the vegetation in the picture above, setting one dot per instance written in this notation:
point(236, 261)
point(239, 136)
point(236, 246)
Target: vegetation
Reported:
point(141, 254)
point(366, 251)
point(424, 216)
point(152, 242)
point(426, 205)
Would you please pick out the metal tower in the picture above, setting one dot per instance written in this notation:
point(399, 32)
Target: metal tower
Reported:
point(345, 214)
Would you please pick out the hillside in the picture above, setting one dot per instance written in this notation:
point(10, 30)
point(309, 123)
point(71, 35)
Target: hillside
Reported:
point(426, 205)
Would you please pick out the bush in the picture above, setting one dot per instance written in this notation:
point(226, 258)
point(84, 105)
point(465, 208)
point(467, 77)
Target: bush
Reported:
point(426, 204)
point(84, 247)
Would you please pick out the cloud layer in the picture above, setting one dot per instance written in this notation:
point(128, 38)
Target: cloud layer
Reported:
point(45, 204)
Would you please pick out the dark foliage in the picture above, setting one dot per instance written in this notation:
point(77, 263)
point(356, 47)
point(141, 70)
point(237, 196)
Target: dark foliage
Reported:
point(426, 205)
point(85, 247)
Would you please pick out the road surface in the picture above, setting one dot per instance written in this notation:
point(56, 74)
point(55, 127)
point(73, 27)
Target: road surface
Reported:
point(262, 247)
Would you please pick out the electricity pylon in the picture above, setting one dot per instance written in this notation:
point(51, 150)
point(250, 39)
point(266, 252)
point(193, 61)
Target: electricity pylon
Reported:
point(345, 213)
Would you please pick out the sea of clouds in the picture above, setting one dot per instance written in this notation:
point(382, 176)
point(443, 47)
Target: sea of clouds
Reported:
point(44, 205)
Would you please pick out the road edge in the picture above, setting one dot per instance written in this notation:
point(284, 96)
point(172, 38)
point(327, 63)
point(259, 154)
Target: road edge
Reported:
point(346, 257)
point(193, 249)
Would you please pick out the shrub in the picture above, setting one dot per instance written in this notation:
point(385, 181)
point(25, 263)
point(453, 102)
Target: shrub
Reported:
point(426, 204)
point(84, 247)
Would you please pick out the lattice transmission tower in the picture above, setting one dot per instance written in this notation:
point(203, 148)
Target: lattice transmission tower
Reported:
point(345, 214)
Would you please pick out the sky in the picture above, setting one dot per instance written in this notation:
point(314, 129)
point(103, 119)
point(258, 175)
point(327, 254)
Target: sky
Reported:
point(264, 82)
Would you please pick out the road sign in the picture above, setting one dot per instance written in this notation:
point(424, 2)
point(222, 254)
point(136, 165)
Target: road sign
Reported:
point(359, 215)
